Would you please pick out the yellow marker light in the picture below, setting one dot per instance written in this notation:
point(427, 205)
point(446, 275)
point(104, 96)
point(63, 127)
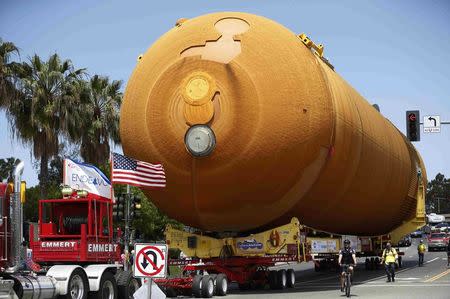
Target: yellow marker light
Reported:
point(23, 189)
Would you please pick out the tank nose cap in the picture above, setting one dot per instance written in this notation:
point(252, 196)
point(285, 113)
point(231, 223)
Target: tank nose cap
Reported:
point(198, 88)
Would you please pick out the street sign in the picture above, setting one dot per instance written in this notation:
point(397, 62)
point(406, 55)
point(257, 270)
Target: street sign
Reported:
point(150, 260)
point(431, 124)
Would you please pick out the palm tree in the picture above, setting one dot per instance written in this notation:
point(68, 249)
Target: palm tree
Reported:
point(8, 68)
point(101, 100)
point(43, 112)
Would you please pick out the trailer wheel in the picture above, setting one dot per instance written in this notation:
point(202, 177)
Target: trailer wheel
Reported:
point(273, 279)
point(78, 286)
point(197, 286)
point(221, 284)
point(366, 264)
point(290, 278)
point(108, 287)
point(281, 279)
point(127, 284)
point(207, 287)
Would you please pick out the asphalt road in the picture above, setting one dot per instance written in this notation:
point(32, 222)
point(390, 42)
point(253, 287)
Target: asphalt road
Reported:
point(430, 281)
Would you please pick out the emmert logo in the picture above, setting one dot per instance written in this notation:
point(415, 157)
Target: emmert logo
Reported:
point(58, 244)
point(102, 247)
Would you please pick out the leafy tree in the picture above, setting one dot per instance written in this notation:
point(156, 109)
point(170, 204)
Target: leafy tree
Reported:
point(41, 115)
point(100, 108)
point(438, 195)
point(8, 69)
point(151, 224)
point(6, 168)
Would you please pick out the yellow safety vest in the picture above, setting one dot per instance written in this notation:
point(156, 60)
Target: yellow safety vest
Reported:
point(421, 248)
point(390, 256)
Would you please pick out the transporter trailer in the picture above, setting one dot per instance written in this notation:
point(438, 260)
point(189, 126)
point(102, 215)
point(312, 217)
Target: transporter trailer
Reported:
point(211, 264)
point(74, 253)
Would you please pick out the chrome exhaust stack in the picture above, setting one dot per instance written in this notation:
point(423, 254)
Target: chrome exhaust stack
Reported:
point(16, 220)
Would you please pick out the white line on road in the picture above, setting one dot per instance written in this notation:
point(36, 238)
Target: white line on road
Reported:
point(431, 260)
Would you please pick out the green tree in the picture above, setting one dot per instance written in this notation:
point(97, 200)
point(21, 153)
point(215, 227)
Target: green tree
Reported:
point(438, 195)
point(100, 108)
point(152, 222)
point(6, 169)
point(41, 115)
point(8, 69)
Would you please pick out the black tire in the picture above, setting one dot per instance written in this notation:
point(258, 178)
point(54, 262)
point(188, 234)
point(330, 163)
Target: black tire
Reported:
point(221, 285)
point(171, 293)
point(107, 288)
point(207, 287)
point(214, 277)
point(273, 279)
point(290, 275)
point(316, 267)
point(78, 283)
point(197, 286)
point(367, 264)
point(347, 285)
point(281, 279)
point(127, 285)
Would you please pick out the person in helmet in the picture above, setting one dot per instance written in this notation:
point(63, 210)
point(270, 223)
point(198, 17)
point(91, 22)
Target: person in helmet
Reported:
point(347, 258)
point(421, 251)
point(389, 257)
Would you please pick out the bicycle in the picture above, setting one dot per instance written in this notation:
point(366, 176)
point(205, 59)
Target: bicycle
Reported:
point(347, 280)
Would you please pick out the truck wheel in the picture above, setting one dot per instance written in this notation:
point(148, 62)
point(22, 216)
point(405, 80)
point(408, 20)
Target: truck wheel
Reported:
point(78, 286)
point(273, 279)
point(221, 285)
point(290, 278)
point(171, 293)
point(197, 286)
point(281, 279)
point(207, 287)
point(127, 284)
point(108, 287)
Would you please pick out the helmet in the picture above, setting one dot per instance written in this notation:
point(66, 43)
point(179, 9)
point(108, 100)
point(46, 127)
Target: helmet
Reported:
point(421, 241)
point(347, 242)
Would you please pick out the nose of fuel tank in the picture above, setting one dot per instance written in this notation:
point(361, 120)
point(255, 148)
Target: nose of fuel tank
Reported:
point(240, 138)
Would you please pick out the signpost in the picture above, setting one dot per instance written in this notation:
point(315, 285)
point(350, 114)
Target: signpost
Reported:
point(432, 124)
point(150, 262)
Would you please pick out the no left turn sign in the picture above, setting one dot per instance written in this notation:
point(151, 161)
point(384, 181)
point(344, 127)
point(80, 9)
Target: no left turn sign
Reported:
point(150, 260)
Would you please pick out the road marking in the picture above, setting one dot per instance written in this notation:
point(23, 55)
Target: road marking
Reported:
point(436, 277)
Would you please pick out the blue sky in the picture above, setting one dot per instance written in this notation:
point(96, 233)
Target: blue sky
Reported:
point(395, 53)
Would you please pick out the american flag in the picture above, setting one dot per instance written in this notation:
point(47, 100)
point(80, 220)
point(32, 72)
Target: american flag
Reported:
point(129, 171)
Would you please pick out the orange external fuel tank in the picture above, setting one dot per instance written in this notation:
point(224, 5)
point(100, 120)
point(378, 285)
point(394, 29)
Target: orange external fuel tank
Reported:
point(292, 138)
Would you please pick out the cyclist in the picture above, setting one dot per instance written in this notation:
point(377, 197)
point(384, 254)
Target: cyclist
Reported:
point(389, 257)
point(347, 258)
point(421, 251)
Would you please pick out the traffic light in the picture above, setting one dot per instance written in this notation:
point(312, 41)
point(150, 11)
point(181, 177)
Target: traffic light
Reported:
point(135, 206)
point(119, 208)
point(413, 125)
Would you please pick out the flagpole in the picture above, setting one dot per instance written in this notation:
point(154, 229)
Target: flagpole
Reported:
point(127, 226)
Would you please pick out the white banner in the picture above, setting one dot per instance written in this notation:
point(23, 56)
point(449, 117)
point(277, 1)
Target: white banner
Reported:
point(81, 176)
